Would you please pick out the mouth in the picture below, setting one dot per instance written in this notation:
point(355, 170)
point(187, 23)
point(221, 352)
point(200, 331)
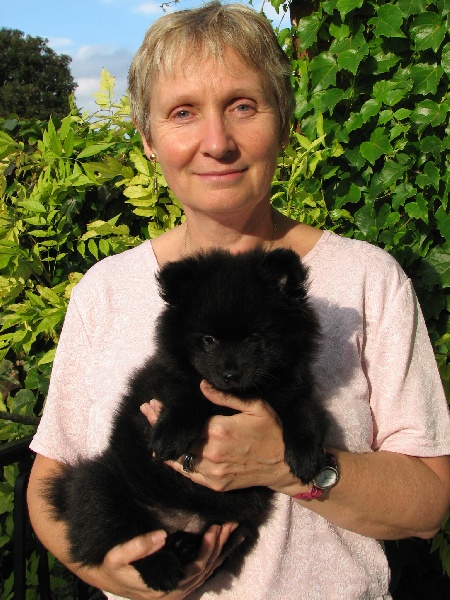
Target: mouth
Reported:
point(222, 175)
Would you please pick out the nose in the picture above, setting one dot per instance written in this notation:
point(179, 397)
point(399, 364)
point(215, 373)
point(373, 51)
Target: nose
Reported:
point(217, 137)
point(231, 376)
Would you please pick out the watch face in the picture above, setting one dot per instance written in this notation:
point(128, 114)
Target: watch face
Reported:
point(327, 478)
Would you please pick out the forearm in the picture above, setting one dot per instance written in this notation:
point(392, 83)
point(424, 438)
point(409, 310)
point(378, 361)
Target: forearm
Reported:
point(384, 495)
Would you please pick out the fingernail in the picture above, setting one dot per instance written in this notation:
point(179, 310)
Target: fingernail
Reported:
point(159, 537)
point(144, 409)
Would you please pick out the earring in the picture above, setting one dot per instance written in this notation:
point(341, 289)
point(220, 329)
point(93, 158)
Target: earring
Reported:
point(155, 179)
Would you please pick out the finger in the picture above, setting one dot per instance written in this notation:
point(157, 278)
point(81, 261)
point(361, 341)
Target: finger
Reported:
point(195, 570)
point(222, 399)
point(138, 547)
point(151, 410)
point(209, 557)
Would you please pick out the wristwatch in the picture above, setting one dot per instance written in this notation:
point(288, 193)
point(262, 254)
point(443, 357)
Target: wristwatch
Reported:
point(325, 479)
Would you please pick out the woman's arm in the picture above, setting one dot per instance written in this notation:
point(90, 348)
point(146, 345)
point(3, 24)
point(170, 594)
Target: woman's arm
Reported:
point(116, 574)
point(383, 495)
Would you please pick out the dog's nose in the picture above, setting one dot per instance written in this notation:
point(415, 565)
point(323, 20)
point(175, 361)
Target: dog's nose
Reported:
point(231, 376)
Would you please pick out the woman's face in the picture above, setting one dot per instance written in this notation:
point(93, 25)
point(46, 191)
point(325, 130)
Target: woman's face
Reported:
point(215, 131)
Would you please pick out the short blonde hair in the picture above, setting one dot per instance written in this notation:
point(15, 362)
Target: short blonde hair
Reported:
point(203, 33)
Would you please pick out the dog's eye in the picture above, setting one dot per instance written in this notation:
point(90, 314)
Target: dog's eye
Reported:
point(209, 342)
point(254, 338)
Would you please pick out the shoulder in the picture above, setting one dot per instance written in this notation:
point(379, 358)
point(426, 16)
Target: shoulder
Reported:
point(119, 274)
point(354, 259)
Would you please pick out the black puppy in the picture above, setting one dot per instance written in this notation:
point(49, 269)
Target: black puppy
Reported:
point(243, 323)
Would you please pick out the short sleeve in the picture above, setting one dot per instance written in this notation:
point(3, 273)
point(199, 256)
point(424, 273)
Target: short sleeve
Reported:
point(410, 412)
point(61, 434)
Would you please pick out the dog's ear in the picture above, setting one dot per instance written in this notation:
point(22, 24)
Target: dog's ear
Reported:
point(176, 280)
point(286, 271)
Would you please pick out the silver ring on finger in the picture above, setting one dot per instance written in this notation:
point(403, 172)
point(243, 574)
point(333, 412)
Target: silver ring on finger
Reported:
point(189, 463)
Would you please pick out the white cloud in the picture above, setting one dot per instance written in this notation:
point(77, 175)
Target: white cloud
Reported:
point(148, 8)
point(59, 43)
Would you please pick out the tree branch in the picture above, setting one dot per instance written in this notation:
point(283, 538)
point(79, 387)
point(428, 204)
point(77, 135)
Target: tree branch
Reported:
point(22, 419)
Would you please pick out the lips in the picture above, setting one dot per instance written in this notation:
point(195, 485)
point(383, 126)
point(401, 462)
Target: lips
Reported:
point(224, 175)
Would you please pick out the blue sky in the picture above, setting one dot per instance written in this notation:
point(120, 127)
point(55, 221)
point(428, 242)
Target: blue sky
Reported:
point(95, 33)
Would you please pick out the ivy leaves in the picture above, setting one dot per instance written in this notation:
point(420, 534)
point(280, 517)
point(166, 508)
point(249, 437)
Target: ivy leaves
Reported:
point(373, 83)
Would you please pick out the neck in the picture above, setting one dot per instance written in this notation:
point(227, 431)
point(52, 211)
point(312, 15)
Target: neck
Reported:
point(203, 234)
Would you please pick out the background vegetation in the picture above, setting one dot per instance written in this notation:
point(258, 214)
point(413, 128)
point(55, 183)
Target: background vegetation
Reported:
point(34, 81)
point(369, 158)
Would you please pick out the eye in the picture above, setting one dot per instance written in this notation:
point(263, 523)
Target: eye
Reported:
point(181, 114)
point(254, 338)
point(209, 342)
point(244, 108)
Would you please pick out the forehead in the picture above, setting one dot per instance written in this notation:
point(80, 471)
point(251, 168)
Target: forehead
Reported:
point(219, 74)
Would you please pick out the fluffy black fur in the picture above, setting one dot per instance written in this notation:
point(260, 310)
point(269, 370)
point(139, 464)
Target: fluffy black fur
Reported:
point(242, 322)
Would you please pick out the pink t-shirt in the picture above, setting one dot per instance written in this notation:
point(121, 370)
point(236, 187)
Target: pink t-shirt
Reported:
point(377, 373)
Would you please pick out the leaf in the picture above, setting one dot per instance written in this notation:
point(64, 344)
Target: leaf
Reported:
point(324, 69)
point(412, 7)
point(429, 112)
point(435, 268)
point(7, 145)
point(47, 358)
point(345, 6)
point(431, 145)
point(103, 247)
point(350, 60)
point(365, 221)
point(307, 30)
point(430, 176)
point(388, 21)
point(107, 81)
point(65, 127)
point(428, 31)
point(379, 144)
point(326, 100)
point(426, 78)
point(443, 221)
point(51, 140)
point(92, 247)
point(417, 210)
point(94, 149)
point(445, 58)
point(140, 162)
point(391, 92)
point(138, 191)
point(391, 172)
point(33, 206)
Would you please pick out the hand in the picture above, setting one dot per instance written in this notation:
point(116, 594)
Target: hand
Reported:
point(238, 451)
point(119, 577)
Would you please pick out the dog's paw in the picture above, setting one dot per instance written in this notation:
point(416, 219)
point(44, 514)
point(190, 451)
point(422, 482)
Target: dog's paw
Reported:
point(307, 465)
point(184, 545)
point(161, 571)
point(170, 444)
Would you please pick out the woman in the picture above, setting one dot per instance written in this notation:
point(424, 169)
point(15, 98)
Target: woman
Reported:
point(211, 98)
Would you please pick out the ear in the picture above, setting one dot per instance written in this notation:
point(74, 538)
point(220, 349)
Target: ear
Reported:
point(176, 280)
point(146, 142)
point(287, 272)
point(284, 139)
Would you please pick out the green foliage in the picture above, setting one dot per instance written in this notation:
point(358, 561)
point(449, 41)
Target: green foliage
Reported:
point(35, 82)
point(372, 82)
point(72, 191)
